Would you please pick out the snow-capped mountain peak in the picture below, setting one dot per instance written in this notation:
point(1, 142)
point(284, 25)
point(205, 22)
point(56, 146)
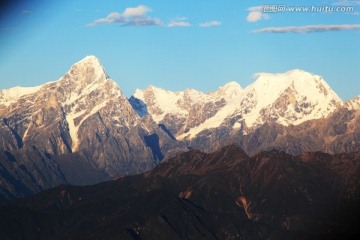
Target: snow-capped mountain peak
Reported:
point(231, 85)
point(159, 101)
point(269, 86)
point(85, 75)
point(87, 89)
point(228, 91)
point(286, 98)
point(87, 71)
point(82, 93)
point(90, 60)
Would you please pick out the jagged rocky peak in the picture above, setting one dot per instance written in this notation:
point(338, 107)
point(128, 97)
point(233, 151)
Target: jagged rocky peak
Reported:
point(90, 62)
point(87, 71)
point(84, 94)
point(166, 99)
point(155, 95)
point(160, 92)
point(83, 77)
point(192, 96)
point(353, 104)
point(87, 79)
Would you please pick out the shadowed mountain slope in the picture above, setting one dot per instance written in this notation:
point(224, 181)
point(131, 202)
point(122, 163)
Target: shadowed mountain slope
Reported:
point(222, 195)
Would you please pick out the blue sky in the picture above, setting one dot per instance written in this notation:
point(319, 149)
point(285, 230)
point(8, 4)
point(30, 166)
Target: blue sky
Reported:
point(179, 44)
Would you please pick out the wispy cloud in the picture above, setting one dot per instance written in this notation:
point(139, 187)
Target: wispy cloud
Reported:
point(256, 14)
point(138, 16)
point(144, 21)
point(179, 22)
point(309, 28)
point(113, 17)
point(135, 16)
point(210, 24)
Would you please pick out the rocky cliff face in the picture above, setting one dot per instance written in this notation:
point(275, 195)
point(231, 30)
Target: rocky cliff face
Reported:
point(83, 114)
point(337, 133)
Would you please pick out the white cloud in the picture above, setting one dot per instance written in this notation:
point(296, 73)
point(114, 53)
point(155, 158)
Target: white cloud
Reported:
point(129, 17)
point(210, 24)
point(309, 28)
point(179, 22)
point(113, 17)
point(256, 14)
point(136, 11)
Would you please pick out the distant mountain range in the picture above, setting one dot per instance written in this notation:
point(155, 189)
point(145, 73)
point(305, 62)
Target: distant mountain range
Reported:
point(82, 130)
point(288, 99)
point(195, 195)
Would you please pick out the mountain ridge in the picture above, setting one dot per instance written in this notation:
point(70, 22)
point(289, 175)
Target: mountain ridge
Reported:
point(287, 98)
point(221, 195)
point(81, 129)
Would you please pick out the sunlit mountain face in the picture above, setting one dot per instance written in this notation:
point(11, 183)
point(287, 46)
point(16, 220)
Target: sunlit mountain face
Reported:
point(81, 129)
